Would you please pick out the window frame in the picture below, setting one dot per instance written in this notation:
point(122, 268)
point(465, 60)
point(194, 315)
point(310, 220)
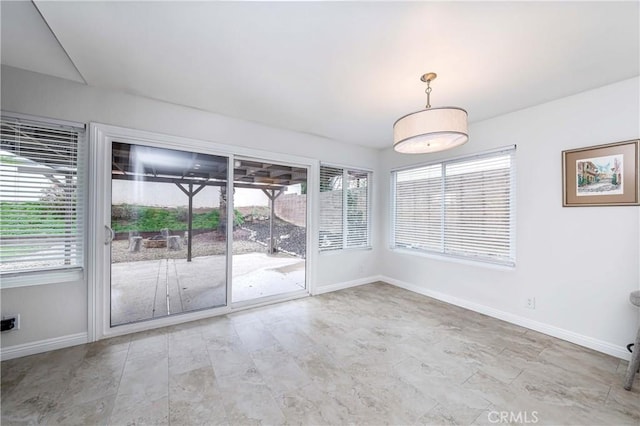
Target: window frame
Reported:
point(345, 194)
point(509, 263)
point(23, 278)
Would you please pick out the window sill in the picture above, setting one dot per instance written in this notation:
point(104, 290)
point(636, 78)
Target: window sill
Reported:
point(453, 259)
point(25, 279)
point(343, 250)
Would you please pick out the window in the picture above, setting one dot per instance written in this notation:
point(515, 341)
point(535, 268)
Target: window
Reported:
point(463, 207)
point(344, 208)
point(41, 208)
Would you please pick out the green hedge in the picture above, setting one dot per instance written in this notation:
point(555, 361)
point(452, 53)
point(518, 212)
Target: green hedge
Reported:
point(152, 219)
point(32, 218)
point(38, 218)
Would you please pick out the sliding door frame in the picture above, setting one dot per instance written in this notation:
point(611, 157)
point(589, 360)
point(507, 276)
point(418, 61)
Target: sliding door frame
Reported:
point(308, 241)
point(101, 137)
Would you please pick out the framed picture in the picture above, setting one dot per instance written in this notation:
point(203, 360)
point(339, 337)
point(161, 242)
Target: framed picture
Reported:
point(603, 175)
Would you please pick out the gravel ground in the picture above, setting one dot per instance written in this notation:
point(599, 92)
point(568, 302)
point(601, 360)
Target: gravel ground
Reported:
point(250, 238)
point(211, 243)
point(291, 238)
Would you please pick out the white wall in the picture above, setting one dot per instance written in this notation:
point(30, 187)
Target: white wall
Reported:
point(160, 195)
point(55, 310)
point(580, 295)
point(163, 195)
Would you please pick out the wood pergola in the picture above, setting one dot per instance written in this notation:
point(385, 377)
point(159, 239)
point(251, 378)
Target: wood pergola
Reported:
point(192, 172)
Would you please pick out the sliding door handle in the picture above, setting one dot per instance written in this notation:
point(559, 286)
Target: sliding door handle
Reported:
point(110, 235)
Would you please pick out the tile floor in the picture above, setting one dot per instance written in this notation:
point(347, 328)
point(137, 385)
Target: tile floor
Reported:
point(373, 355)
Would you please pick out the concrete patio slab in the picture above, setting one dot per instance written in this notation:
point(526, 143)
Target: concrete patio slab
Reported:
point(156, 288)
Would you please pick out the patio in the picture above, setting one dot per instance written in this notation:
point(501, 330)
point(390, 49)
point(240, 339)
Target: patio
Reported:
point(156, 288)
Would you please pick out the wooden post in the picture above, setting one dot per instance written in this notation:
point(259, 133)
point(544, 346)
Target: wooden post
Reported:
point(222, 210)
point(190, 193)
point(272, 208)
point(272, 195)
point(190, 222)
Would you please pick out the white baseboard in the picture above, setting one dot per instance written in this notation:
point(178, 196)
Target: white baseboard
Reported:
point(579, 339)
point(560, 333)
point(45, 345)
point(346, 284)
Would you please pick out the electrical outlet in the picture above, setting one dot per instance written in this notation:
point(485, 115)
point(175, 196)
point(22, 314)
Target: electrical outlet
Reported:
point(16, 323)
point(531, 302)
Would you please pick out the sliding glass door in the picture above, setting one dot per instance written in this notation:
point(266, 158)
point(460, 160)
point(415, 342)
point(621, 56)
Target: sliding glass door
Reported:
point(270, 230)
point(168, 232)
point(186, 229)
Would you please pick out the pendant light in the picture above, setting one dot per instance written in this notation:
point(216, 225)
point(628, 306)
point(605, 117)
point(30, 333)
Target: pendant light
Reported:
point(431, 129)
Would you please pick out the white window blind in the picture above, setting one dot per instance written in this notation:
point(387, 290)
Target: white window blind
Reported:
point(41, 208)
point(331, 208)
point(463, 207)
point(344, 208)
point(418, 209)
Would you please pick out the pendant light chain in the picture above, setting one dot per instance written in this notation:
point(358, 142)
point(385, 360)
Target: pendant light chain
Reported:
point(428, 92)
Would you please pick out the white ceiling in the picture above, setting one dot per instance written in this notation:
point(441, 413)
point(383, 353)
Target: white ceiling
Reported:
point(343, 70)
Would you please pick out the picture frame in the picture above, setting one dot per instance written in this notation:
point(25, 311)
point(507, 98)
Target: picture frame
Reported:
point(602, 175)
